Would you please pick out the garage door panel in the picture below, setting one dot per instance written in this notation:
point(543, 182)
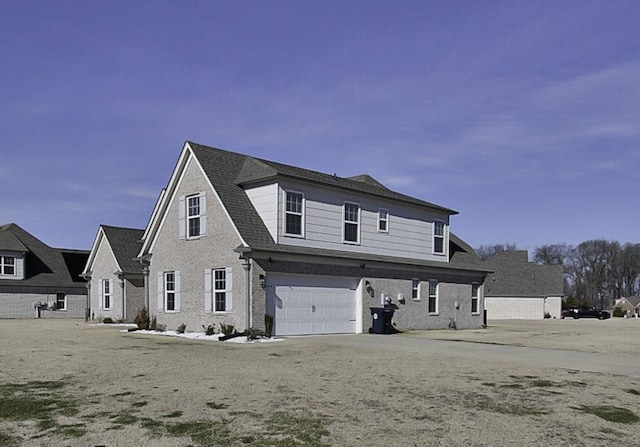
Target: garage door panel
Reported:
point(308, 309)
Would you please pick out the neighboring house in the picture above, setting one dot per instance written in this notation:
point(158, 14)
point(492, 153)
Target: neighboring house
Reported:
point(37, 281)
point(116, 282)
point(631, 305)
point(234, 238)
point(519, 289)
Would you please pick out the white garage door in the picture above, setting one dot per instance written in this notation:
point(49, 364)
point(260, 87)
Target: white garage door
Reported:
point(313, 305)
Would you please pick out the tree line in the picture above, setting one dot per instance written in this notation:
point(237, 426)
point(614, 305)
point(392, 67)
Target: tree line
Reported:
point(596, 271)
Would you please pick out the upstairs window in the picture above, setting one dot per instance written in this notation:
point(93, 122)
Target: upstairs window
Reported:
point(192, 216)
point(7, 265)
point(294, 213)
point(351, 223)
point(433, 296)
point(438, 237)
point(383, 220)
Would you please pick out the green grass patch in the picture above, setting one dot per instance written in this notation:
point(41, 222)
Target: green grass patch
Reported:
point(487, 404)
point(72, 430)
point(217, 406)
point(297, 429)
point(173, 414)
point(611, 413)
point(139, 404)
point(634, 392)
point(204, 433)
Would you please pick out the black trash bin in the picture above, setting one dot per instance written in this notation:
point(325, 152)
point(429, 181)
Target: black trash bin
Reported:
point(382, 317)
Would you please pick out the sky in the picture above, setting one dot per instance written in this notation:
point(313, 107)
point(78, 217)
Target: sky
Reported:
point(522, 116)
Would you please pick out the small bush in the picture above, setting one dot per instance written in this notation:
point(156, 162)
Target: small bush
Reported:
point(226, 329)
point(209, 330)
point(254, 334)
point(154, 324)
point(619, 312)
point(142, 319)
point(547, 315)
point(268, 325)
point(107, 320)
point(181, 328)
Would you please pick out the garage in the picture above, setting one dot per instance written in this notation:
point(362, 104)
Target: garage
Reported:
point(305, 305)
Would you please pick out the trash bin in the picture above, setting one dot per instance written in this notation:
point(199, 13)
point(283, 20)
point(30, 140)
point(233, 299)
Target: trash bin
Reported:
point(382, 317)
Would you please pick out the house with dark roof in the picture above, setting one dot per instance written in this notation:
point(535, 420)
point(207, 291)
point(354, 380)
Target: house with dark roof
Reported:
point(116, 282)
point(630, 305)
point(519, 289)
point(240, 240)
point(38, 281)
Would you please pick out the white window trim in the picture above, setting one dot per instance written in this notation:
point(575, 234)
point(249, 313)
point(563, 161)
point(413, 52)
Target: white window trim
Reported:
point(436, 297)
point(184, 218)
point(386, 220)
point(344, 222)
point(301, 214)
point(443, 237)
point(3, 265)
point(162, 292)
point(418, 289)
point(64, 307)
point(210, 290)
point(477, 298)
point(110, 294)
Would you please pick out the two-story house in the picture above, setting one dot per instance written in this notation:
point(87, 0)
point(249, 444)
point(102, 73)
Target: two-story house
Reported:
point(234, 237)
point(38, 281)
point(116, 282)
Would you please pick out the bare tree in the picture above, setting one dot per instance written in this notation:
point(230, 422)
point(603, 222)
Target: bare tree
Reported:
point(554, 254)
point(487, 251)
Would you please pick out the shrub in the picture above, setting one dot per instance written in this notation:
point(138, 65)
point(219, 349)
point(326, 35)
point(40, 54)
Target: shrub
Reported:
point(181, 328)
point(254, 334)
point(547, 315)
point(268, 325)
point(154, 324)
point(619, 312)
point(209, 330)
point(226, 329)
point(142, 319)
point(107, 320)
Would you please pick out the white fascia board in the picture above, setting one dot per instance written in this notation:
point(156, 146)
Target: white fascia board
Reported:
point(160, 211)
point(94, 250)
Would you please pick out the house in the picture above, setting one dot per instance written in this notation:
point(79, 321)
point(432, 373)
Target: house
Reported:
point(237, 240)
point(519, 289)
point(116, 281)
point(630, 305)
point(38, 281)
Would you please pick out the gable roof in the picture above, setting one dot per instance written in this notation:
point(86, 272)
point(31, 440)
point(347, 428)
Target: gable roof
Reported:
point(513, 275)
point(229, 172)
point(125, 244)
point(44, 266)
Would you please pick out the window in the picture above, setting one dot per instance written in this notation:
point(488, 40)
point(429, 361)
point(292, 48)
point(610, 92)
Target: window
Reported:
point(192, 216)
point(170, 291)
point(351, 223)
point(106, 294)
point(415, 289)
point(217, 290)
point(433, 296)
point(438, 237)
point(383, 220)
point(474, 298)
point(7, 265)
point(61, 301)
point(294, 213)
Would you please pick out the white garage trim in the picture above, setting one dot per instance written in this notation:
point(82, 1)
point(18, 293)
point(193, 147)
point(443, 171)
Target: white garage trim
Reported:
point(303, 304)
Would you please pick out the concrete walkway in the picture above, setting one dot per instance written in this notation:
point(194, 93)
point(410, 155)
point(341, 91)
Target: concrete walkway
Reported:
point(616, 364)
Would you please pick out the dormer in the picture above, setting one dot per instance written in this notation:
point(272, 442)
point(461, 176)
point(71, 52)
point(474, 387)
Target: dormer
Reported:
point(12, 255)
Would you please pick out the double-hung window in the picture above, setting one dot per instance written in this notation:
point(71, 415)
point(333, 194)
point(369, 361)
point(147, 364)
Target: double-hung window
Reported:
point(383, 220)
point(294, 213)
point(7, 265)
point(433, 297)
point(351, 223)
point(438, 237)
point(219, 291)
point(218, 284)
point(475, 298)
point(193, 216)
point(170, 291)
point(106, 294)
point(415, 289)
point(61, 301)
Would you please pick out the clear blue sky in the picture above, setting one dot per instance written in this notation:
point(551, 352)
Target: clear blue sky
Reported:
point(524, 116)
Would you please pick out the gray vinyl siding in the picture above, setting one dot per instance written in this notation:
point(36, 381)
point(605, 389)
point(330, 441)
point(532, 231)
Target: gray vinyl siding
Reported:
point(265, 201)
point(410, 232)
point(19, 265)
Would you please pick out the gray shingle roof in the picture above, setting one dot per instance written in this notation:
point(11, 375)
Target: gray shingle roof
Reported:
point(513, 275)
point(125, 243)
point(44, 266)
